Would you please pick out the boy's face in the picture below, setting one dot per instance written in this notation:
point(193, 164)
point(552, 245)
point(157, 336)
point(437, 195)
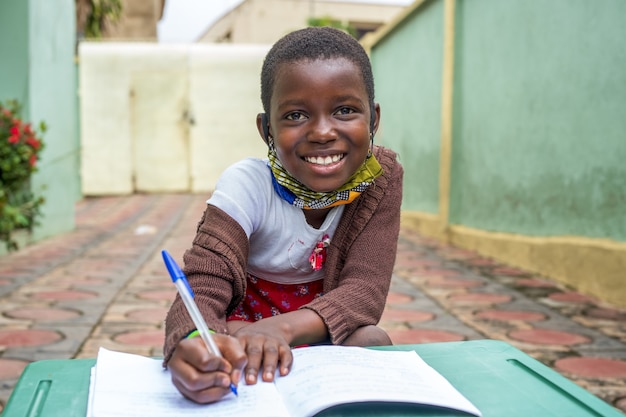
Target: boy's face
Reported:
point(319, 119)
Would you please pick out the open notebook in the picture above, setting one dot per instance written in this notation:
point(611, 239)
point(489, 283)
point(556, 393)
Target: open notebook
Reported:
point(321, 377)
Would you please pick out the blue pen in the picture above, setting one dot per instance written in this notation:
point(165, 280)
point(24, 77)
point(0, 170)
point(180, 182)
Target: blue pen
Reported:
point(186, 293)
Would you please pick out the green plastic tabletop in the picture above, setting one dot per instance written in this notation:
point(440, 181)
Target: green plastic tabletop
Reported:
point(496, 377)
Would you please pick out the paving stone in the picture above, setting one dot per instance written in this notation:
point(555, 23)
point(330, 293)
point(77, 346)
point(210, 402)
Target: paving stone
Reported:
point(480, 298)
point(11, 368)
point(548, 337)
point(167, 295)
point(571, 297)
point(27, 337)
point(445, 282)
point(63, 295)
point(141, 338)
point(43, 314)
point(604, 313)
point(592, 367)
point(508, 271)
point(510, 315)
point(397, 298)
point(150, 315)
point(411, 336)
point(534, 282)
point(406, 315)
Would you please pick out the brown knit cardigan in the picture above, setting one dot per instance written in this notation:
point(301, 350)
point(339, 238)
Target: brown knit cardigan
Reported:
point(357, 271)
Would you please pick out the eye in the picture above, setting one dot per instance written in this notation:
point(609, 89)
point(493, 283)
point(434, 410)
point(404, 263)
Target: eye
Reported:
point(344, 111)
point(296, 115)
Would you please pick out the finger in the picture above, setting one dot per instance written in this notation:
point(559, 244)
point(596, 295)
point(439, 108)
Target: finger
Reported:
point(270, 361)
point(254, 351)
point(193, 380)
point(195, 383)
point(286, 360)
point(194, 352)
point(235, 354)
point(215, 386)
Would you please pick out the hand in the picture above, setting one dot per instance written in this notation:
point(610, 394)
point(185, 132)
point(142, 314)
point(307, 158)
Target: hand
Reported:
point(266, 348)
point(201, 376)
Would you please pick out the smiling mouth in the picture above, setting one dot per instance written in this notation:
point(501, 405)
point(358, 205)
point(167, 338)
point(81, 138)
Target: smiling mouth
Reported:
point(324, 160)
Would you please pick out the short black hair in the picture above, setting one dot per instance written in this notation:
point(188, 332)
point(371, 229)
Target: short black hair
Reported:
point(314, 43)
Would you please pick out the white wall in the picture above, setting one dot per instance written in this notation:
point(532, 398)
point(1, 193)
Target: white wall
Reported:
point(166, 118)
point(265, 21)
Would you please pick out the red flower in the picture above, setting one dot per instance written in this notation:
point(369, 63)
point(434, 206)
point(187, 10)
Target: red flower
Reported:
point(19, 153)
point(32, 142)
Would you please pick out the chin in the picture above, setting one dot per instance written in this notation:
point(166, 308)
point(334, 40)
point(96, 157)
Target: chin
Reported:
point(326, 189)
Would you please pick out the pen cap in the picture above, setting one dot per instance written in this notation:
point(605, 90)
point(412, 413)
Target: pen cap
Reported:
point(175, 272)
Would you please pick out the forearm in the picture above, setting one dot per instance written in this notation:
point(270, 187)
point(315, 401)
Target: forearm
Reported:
point(296, 327)
point(215, 268)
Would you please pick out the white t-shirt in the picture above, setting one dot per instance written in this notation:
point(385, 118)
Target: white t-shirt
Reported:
point(281, 240)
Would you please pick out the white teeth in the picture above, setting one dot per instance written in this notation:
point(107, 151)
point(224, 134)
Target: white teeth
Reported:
point(318, 160)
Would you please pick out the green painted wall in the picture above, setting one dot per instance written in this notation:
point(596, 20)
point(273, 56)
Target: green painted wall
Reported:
point(407, 70)
point(39, 36)
point(538, 119)
point(13, 50)
point(539, 134)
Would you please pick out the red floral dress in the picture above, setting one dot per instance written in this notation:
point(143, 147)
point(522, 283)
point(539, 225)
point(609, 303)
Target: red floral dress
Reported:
point(265, 299)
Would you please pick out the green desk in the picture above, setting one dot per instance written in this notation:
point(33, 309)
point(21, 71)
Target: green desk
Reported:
point(499, 379)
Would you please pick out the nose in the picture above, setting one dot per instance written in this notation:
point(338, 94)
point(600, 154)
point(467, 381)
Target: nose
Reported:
point(322, 130)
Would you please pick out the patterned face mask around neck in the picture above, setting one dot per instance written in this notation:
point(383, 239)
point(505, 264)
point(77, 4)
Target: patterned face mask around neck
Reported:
point(299, 195)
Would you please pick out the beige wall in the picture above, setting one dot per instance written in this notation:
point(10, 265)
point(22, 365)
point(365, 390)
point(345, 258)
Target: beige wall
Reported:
point(164, 118)
point(138, 21)
point(264, 21)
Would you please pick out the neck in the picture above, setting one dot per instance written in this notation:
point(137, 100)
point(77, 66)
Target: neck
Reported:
point(315, 218)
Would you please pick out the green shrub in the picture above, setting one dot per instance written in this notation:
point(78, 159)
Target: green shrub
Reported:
point(20, 147)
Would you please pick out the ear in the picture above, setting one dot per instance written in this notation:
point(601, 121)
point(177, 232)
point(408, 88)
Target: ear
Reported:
point(263, 126)
point(374, 118)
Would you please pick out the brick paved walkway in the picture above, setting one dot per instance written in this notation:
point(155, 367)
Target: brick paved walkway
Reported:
point(104, 284)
